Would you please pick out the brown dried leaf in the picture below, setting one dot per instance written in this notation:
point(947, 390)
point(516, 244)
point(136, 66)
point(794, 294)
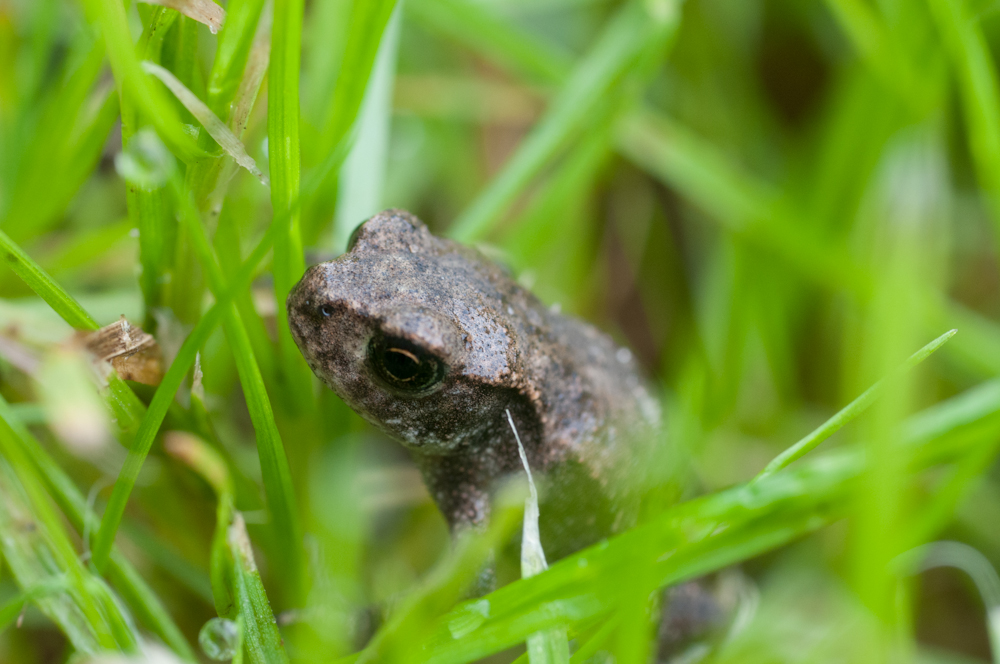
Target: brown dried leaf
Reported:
point(134, 354)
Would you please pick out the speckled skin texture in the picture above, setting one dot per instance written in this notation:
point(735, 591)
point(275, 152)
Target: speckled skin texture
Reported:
point(581, 409)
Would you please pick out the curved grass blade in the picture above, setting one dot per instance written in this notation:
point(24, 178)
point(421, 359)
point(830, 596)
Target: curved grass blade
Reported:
point(849, 412)
point(212, 124)
point(124, 404)
point(45, 286)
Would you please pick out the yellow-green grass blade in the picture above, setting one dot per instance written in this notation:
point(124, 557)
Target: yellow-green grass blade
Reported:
point(619, 48)
point(156, 108)
point(235, 40)
point(261, 637)
point(977, 81)
point(285, 161)
point(475, 24)
point(686, 541)
point(162, 399)
point(848, 412)
point(271, 451)
point(73, 504)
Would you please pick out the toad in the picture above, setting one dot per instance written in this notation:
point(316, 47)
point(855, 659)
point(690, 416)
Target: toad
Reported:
point(433, 343)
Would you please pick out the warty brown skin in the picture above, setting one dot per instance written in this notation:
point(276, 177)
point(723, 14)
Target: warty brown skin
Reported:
point(582, 411)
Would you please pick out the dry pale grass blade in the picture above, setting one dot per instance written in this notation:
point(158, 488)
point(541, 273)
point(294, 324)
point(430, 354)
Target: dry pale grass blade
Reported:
point(215, 127)
point(253, 76)
point(203, 11)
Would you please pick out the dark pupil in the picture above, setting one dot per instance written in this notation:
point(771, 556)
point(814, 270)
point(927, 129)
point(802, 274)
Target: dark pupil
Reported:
point(404, 365)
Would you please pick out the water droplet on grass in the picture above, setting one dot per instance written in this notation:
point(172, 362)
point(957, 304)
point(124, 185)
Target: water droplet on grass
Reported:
point(218, 638)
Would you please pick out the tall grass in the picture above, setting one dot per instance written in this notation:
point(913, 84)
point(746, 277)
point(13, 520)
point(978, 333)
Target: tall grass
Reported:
point(774, 203)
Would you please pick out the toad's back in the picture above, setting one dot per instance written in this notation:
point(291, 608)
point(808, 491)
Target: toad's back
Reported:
point(433, 343)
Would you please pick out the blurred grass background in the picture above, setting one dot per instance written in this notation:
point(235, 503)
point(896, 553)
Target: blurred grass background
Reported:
point(773, 203)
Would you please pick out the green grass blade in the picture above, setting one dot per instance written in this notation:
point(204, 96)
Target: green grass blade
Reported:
point(110, 14)
point(977, 79)
point(411, 623)
point(284, 155)
point(368, 21)
point(56, 542)
point(271, 451)
point(758, 516)
point(235, 40)
point(362, 176)
point(617, 50)
point(366, 26)
point(124, 404)
point(162, 399)
point(64, 147)
point(849, 412)
point(45, 286)
point(74, 505)
point(475, 25)
point(209, 464)
point(261, 637)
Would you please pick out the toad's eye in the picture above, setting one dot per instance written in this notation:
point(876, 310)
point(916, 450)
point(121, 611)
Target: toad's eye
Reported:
point(325, 311)
point(404, 365)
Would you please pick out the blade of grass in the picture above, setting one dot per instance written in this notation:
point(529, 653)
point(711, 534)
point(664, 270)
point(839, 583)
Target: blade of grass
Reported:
point(874, 41)
point(261, 637)
point(148, 206)
point(74, 505)
point(162, 399)
point(413, 620)
point(65, 144)
point(362, 176)
point(850, 411)
point(209, 464)
point(57, 541)
point(231, 54)
point(368, 21)
point(110, 14)
point(631, 32)
point(45, 286)
point(687, 540)
point(494, 37)
point(551, 645)
point(212, 124)
point(284, 157)
point(124, 404)
point(366, 26)
point(977, 78)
